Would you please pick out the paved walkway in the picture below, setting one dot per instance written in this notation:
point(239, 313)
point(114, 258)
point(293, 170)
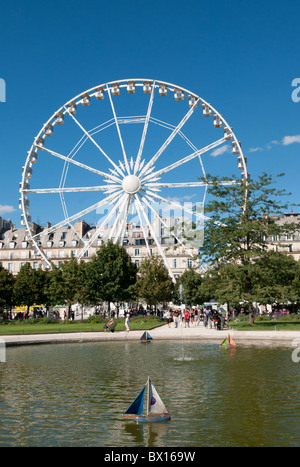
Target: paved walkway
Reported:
point(199, 333)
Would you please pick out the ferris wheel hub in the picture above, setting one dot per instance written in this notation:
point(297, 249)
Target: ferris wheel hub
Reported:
point(131, 184)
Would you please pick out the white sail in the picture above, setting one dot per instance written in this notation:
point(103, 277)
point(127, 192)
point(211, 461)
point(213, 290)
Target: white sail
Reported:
point(155, 404)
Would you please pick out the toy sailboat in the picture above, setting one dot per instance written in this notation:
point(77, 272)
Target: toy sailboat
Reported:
point(146, 337)
point(228, 342)
point(156, 410)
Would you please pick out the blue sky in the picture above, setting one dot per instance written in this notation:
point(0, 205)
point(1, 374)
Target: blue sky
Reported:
point(240, 56)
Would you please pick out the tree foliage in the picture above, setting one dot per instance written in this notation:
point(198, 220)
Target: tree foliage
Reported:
point(191, 292)
point(237, 239)
point(29, 287)
point(154, 284)
point(7, 282)
point(110, 275)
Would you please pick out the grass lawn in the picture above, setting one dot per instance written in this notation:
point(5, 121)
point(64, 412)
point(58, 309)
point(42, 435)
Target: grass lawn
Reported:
point(275, 325)
point(136, 323)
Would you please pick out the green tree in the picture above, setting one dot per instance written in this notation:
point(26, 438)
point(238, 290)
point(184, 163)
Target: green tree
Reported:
point(296, 282)
point(110, 275)
point(274, 280)
point(29, 287)
point(7, 282)
point(66, 283)
point(192, 293)
point(154, 284)
point(243, 219)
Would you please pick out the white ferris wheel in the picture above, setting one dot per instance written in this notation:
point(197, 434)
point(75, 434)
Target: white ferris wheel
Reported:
point(125, 147)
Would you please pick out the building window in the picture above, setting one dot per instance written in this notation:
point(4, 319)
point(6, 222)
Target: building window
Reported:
point(190, 263)
point(10, 267)
point(86, 254)
point(137, 262)
point(174, 263)
point(136, 252)
point(291, 248)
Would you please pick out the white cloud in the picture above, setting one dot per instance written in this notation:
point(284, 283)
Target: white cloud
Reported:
point(219, 151)
point(290, 140)
point(286, 140)
point(5, 209)
point(255, 149)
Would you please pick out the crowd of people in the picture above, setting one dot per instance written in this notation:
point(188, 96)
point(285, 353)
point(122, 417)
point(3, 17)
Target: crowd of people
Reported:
point(194, 315)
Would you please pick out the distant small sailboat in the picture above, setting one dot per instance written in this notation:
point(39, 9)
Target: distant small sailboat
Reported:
point(228, 342)
point(156, 410)
point(146, 337)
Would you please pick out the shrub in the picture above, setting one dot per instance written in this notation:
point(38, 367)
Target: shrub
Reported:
point(96, 319)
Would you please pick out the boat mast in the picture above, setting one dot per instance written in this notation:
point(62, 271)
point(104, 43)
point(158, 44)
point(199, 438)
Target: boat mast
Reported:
point(148, 395)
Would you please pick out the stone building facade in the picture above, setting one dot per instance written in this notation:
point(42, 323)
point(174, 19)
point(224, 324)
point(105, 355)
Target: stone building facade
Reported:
point(60, 245)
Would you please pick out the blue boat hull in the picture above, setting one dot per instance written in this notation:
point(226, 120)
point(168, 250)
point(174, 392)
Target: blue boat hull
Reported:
point(159, 418)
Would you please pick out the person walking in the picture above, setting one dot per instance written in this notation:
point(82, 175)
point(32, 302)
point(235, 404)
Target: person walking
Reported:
point(175, 317)
point(205, 317)
point(169, 318)
point(192, 315)
point(186, 318)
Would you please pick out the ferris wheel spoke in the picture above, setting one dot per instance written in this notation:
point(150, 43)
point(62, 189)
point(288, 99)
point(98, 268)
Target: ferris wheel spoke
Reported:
point(153, 185)
point(99, 228)
point(105, 188)
point(118, 129)
point(96, 144)
point(182, 207)
point(79, 164)
point(138, 159)
point(169, 139)
point(186, 159)
point(142, 226)
point(159, 247)
point(109, 199)
point(121, 208)
point(165, 225)
point(121, 229)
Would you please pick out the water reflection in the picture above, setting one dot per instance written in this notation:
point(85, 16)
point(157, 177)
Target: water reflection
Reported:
point(74, 395)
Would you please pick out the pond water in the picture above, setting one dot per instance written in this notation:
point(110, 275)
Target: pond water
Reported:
point(74, 395)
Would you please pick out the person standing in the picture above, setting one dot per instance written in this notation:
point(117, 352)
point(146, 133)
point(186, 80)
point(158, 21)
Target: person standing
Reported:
point(127, 323)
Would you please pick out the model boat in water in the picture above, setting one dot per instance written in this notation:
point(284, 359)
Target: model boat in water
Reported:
point(146, 337)
point(228, 342)
point(155, 408)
